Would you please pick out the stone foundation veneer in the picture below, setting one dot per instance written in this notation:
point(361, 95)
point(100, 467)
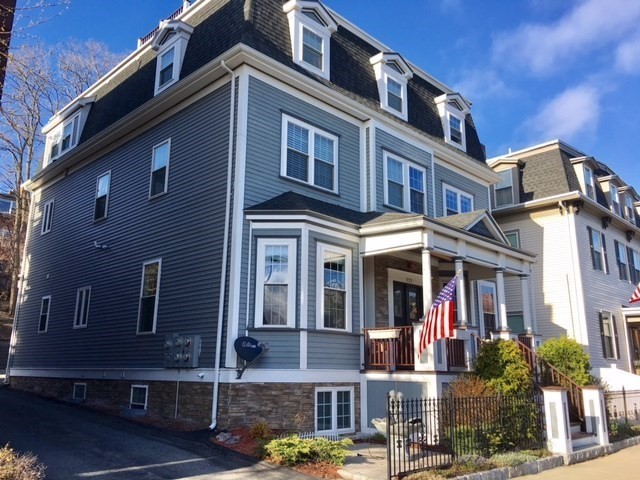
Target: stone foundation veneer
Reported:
point(286, 406)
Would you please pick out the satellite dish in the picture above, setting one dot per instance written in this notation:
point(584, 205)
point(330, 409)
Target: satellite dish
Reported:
point(248, 348)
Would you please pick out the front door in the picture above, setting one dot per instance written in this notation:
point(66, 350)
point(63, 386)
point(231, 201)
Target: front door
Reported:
point(634, 333)
point(407, 304)
point(487, 307)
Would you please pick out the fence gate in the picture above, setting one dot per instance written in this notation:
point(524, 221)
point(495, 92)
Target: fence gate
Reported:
point(431, 433)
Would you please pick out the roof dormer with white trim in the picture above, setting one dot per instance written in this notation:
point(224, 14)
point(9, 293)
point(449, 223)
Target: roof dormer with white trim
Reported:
point(170, 41)
point(393, 75)
point(453, 109)
point(64, 129)
point(310, 27)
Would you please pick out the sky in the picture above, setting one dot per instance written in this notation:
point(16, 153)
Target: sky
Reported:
point(534, 70)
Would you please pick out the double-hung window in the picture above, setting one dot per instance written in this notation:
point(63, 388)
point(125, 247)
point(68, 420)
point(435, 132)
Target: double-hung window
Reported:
point(598, 248)
point(165, 68)
point(588, 182)
point(334, 287)
point(312, 48)
point(148, 309)
point(102, 196)
point(65, 138)
point(47, 217)
point(45, 306)
point(405, 184)
point(629, 213)
point(621, 260)
point(160, 169)
point(456, 201)
point(634, 265)
point(276, 282)
point(394, 94)
point(82, 307)
point(309, 155)
point(504, 189)
point(615, 200)
point(335, 410)
point(455, 129)
point(609, 335)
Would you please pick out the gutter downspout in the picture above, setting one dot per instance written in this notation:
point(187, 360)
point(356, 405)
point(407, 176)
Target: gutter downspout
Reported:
point(225, 254)
point(14, 328)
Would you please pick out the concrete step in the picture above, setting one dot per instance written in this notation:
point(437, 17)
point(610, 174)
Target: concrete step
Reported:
point(574, 427)
point(581, 440)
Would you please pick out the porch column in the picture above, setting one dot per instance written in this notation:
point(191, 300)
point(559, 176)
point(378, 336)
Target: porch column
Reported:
point(426, 361)
point(526, 303)
point(502, 305)
point(427, 295)
point(461, 303)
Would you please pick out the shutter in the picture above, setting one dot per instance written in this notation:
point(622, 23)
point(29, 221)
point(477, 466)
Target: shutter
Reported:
point(615, 336)
point(602, 339)
point(606, 257)
point(593, 256)
point(618, 259)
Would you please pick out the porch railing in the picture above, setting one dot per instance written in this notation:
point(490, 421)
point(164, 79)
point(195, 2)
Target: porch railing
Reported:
point(388, 348)
point(456, 353)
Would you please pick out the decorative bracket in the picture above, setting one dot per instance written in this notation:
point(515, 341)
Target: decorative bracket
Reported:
point(606, 221)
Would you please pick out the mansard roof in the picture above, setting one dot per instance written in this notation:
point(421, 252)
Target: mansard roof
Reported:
point(261, 24)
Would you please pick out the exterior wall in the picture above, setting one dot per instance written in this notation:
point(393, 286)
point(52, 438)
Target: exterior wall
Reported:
point(174, 227)
point(479, 192)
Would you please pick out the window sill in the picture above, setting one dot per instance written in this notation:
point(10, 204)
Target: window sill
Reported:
point(158, 195)
point(99, 220)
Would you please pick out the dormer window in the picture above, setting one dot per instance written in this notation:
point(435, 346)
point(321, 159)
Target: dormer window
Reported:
point(629, 213)
point(310, 27)
point(66, 138)
point(615, 200)
point(64, 130)
point(453, 109)
point(392, 75)
point(171, 44)
point(588, 182)
point(504, 189)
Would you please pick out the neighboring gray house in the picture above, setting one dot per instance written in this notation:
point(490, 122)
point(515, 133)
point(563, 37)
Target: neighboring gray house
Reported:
point(583, 222)
point(267, 169)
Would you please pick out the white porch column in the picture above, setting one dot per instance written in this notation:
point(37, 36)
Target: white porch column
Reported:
point(595, 413)
point(526, 303)
point(461, 295)
point(556, 414)
point(426, 361)
point(502, 304)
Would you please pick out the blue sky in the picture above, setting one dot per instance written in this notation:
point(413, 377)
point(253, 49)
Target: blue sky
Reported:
point(535, 70)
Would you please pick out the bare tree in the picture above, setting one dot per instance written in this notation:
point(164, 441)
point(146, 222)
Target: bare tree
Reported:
point(39, 81)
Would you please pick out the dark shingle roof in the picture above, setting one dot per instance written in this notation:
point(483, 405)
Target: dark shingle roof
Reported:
point(262, 24)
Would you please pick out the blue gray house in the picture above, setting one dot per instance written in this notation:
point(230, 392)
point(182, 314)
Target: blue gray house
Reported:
point(266, 169)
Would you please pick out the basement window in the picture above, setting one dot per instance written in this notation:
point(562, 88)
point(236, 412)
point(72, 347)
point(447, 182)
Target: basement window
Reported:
point(139, 395)
point(79, 391)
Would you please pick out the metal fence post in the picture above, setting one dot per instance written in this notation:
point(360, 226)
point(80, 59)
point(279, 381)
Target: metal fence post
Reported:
point(624, 403)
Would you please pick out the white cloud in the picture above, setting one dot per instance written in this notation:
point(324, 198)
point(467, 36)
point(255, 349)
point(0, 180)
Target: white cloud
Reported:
point(590, 25)
point(628, 56)
point(571, 113)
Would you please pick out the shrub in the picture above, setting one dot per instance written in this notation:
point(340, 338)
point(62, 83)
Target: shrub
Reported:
point(469, 386)
point(512, 459)
point(501, 364)
point(14, 466)
point(260, 431)
point(293, 451)
point(567, 356)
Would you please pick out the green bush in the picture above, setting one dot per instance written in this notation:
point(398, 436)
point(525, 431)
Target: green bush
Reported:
point(293, 451)
point(14, 466)
point(567, 355)
point(511, 459)
point(501, 364)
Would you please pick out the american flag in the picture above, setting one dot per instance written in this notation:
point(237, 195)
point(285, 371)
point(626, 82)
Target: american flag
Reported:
point(439, 319)
point(636, 295)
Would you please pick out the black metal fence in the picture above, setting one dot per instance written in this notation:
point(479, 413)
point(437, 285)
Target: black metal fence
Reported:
point(433, 432)
point(623, 406)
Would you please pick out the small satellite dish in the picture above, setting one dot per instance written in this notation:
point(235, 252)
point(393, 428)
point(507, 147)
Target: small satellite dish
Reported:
point(248, 348)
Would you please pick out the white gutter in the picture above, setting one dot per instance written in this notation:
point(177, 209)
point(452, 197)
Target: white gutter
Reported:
point(225, 254)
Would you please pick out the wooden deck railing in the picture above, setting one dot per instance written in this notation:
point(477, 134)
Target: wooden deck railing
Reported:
point(393, 350)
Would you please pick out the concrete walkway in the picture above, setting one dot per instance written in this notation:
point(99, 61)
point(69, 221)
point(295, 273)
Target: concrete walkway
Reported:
point(625, 463)
point(367, 461)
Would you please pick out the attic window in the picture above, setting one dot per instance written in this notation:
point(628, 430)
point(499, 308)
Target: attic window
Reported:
point(615, 200)
point(453, 109)
point(588, 181)
point(171, 44)
point(310, 28)
point(392, 75)
point(64, 130)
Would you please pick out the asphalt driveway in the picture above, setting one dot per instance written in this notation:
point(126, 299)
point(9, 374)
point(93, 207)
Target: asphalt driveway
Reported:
point(76, 443)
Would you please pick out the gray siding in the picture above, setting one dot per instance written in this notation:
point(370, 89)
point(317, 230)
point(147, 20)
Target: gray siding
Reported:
point(177, 227)
point(393, 145)
point(466, 184)
point(377, 395)
point(284, 348)
point(333, 350)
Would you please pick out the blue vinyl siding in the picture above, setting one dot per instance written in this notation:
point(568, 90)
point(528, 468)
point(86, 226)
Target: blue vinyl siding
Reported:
point(177, 227)
point(479, 192)
point(284, 348)
point(333, 351)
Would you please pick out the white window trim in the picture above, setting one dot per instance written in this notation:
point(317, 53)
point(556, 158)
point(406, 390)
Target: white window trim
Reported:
point(46, 325)
point(47, 217)
point(298, 21)
point(513, 232)
point(321, 248)
point(291, 291)
point(406, 190)
point(78, 314)
point(615, 200)
point(614, 332)
point(629, 211)
point(504, 184)
point(155, 309)
point(178, 41)
point(447, 110)
point(445, 187)
point(383, 73)
point(602, 253)
point(146, 396)
point(166, 176)
point(106, 205)
point(84, 397)
point(57, 137)
point(448, 138)
point(589, 184)
point(313, 130)
point(334, 410)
